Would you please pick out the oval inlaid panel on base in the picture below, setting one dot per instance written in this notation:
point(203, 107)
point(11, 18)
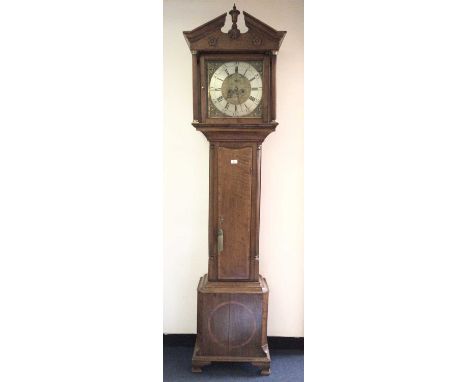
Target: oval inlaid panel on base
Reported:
point(240, 317)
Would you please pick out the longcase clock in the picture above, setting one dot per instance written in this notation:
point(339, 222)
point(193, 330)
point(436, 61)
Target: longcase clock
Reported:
point(234, 95)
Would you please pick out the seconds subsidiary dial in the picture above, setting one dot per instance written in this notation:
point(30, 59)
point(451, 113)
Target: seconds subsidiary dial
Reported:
point(235, 89)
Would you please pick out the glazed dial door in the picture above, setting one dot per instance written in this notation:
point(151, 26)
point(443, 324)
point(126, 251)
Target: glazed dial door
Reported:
point(235, 89)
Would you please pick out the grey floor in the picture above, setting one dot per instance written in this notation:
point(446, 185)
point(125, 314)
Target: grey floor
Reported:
point(286, 366)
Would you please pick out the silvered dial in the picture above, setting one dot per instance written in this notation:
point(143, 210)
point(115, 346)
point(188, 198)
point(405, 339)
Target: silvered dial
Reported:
point(235, 88)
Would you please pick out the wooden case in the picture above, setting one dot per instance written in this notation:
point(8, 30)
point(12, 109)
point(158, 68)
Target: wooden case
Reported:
point(233, 297)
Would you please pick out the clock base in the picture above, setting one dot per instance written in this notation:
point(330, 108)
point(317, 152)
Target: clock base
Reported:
point(198, 361)
point(232, 323)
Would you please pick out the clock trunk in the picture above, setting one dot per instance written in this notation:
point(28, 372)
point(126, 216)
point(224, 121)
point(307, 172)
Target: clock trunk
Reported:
point(234, 206)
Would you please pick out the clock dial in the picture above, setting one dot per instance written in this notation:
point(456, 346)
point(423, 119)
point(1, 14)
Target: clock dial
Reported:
point(235, 89)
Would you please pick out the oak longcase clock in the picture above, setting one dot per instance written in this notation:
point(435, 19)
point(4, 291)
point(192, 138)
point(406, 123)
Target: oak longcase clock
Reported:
point(234, 96)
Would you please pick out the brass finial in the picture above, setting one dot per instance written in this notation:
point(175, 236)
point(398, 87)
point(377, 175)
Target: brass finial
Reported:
point(234, 32)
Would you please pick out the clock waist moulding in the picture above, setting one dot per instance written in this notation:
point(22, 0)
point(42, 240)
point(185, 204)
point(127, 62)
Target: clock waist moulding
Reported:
point(234, 96)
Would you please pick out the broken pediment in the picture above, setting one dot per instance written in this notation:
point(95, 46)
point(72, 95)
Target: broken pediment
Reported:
point(259, 37)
